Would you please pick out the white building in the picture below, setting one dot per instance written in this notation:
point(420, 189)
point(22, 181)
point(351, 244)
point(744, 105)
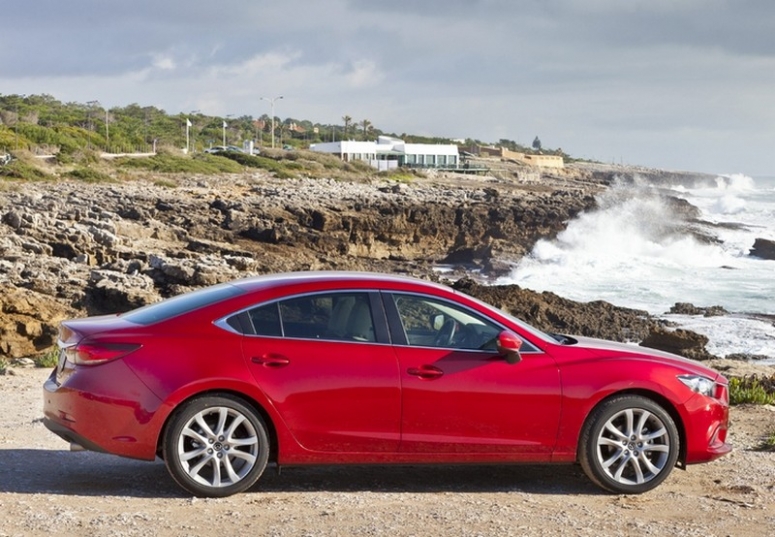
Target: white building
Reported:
point(388, 153)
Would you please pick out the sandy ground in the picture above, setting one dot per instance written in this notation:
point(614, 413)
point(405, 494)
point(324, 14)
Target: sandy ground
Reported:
point(45, 490)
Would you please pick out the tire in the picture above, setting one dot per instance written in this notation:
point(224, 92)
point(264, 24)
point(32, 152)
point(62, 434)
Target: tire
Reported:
point(629, 445)
point(216, 446)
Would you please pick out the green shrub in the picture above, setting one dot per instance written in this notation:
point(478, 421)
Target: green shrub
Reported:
point(165, 183)
point(18, 169)
point(202, 163)
point(48, 359)
point(752, 389)
point(768, 444)
point(89, 175)
point(282, 169)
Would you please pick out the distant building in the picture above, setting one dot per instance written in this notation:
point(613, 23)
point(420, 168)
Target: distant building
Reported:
point(544, 161)
point(389, 153)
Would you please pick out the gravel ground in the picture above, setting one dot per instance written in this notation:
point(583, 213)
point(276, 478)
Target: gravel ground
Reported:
point(45, 489)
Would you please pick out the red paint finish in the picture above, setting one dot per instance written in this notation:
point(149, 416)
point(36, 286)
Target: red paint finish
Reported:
point(332, 396)
point(342, 399)
point(479, 403)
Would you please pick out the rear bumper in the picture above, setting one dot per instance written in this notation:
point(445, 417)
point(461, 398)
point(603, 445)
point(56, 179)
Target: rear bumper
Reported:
point(70, 436)
point(102, 408)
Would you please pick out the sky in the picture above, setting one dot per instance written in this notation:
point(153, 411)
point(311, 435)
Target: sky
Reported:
point(672, 84)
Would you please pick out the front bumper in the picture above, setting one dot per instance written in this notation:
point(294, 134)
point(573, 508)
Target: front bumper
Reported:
point(706, 429)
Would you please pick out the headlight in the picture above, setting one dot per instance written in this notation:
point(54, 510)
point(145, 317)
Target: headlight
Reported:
point(698, 384)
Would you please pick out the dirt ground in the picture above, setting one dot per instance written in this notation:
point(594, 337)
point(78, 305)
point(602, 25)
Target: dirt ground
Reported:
point(46, 489)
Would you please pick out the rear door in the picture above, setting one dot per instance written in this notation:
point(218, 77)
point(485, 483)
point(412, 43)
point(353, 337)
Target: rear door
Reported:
point(324, 361)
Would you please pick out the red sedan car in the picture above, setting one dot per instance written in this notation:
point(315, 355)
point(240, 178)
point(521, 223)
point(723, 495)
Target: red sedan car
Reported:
point(326, 368)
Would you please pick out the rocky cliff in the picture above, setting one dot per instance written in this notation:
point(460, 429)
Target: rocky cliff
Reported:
point(72, 249)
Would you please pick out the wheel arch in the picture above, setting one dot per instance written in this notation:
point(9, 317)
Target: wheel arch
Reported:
point(271, 429)
point(657, 398)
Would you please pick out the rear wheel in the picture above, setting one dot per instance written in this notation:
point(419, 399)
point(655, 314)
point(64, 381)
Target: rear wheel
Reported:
point(216, 446)
point(629, 445)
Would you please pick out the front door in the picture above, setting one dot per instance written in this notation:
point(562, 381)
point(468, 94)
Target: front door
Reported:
point(460, 396)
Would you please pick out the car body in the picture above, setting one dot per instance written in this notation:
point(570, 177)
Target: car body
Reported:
point(223, 149)
point(360, 368)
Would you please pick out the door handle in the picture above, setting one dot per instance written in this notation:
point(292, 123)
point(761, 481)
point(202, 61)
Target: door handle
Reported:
point(426, 372)
point(271, 360)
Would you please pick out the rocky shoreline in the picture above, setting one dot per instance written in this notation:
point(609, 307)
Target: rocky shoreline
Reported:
point(71, 248)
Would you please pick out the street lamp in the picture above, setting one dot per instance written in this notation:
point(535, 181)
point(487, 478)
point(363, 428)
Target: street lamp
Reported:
point(224, 128)
point(271, 101)
point(188, 128)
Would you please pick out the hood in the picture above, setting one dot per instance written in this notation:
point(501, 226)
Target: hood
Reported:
point(602, 348)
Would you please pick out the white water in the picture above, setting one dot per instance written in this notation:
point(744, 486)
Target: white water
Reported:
point(629, 253)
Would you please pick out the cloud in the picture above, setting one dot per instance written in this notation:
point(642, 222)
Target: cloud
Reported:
point(637, 79)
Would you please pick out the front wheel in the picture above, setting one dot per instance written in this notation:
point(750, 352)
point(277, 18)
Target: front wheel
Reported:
point(629, 445)
point(216, 446)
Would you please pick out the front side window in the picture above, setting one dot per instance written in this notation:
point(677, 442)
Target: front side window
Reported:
point(429, 322)
point(328, 316)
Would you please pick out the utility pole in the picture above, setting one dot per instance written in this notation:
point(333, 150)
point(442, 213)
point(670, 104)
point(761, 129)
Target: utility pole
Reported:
point(91, 104)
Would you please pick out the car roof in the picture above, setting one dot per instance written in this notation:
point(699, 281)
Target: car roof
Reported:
point(290, 278)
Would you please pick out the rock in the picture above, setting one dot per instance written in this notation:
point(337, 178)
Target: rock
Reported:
point(28, 321)
point(764, 249)
point(552, 313)
point(109, 248)
point(117, 292)
point(681, 342)
point(746, 357)
point(685, 308)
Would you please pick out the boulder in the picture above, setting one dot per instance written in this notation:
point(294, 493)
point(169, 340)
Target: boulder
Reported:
point(681, 342)
point(553, 313)
point(763, 248)
point(686, 308)
point(28, 321)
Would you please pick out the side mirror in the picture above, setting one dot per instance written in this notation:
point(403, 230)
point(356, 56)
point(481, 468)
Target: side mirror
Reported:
point(509, 344)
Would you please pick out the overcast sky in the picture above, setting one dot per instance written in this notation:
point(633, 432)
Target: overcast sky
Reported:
point(676, 84)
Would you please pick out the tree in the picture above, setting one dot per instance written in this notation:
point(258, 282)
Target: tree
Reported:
point(537, 144)
point(366, 126)
point(347, 121)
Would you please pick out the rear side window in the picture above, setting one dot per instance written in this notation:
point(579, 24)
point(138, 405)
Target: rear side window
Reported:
point(172, 307)
point(325, 316)
point(266, 320)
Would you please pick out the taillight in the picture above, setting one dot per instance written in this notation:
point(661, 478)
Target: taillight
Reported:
point(722, 393)
point(98, 352)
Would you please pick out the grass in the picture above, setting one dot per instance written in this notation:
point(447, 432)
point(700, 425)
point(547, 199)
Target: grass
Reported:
point(768, 444)
point(21, 170)
point(4, 366)
point(165, 183)
point(49, 359)
point(752, 390)
point(88, 167)
point(89, 175)
point(282, 169)
point(201, 163)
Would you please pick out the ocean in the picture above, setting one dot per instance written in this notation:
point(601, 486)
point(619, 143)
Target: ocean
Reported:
point(633, 252)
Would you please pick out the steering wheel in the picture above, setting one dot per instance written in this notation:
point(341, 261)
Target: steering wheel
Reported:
point(446, 334)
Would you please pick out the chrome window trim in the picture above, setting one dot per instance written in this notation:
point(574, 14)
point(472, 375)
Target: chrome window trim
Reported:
point(224, 325)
